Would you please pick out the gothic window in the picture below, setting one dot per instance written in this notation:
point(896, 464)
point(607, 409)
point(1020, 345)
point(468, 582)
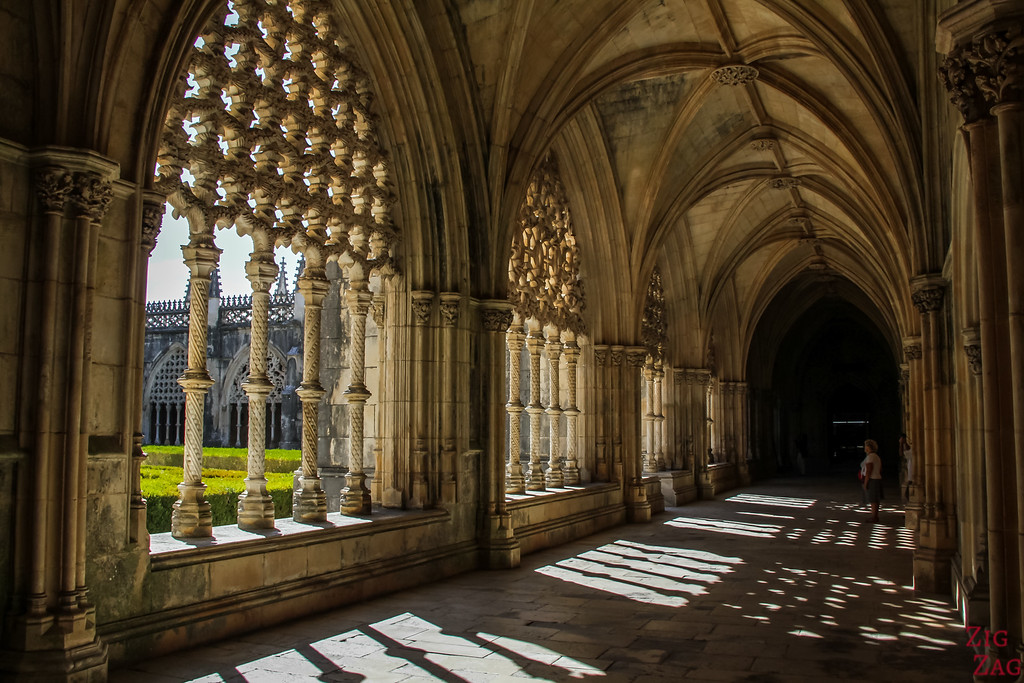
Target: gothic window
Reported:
point(547, 298)
point(238, 404)
point(271, 131)
point(165, 403)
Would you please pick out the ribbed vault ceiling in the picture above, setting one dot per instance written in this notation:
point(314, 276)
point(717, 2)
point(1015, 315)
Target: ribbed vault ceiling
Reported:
point(734, 190)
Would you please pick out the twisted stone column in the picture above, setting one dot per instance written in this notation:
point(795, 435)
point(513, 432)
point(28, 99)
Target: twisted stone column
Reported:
point(515, 482)
point(255, 506)
point(571, 351)
point(309, 503)
point(190, 514)
point(535, 472)
point(554, 477)
point(355, 496)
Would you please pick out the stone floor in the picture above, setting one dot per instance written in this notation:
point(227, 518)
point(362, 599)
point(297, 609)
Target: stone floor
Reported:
point(780, 582)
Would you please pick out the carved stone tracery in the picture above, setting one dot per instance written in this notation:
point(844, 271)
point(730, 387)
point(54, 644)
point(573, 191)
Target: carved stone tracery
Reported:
point(544, 277)
point(274, 125)
point(653, 326)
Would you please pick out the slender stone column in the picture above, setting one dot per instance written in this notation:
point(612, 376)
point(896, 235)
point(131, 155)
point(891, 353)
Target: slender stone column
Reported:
point(309, 502)
point(355, 497)
point(535, 472)
point(422, 398)
point(500, 548)
point(659, 418)
point(515, 482)
point(190, 514)
point(638, 507)
point(255, 506)
point(681, 422)
point(617, 375)
point(554, 477)
point(450, 302)
point(647, 436)
point(571, 351)
point(602, 410)
point(915, 400)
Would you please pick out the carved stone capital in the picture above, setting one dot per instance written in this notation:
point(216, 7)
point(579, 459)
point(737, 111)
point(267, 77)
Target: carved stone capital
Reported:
point(958, 78)
point(636, 356)
point(973, 352)
point(998, 61)
point(734, 74)
point(422, 302)
point(377, 310)
point(450, 308)
point(616, 356)
point(600, 356)
point(928, 293)
point(912, 351)
point(90, 196)
point(53, 185)
point(496, 316)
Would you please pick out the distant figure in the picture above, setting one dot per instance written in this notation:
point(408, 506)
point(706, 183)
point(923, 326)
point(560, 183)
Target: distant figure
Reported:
point(872, 468)
point(906, 466)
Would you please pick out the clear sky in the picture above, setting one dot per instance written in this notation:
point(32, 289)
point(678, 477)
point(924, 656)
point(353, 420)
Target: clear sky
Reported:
point(168, 274)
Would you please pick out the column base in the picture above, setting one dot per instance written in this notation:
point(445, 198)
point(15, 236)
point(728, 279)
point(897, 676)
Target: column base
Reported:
point(515, 483)
point(638, 508)
point(572, 476)
point(190, 515)
point(309, 502)
point(61, 647)
point(500, 549)
point(255, 506)
point(932, 568)
point(355, 497)
point(554, 478)
point(535, 480)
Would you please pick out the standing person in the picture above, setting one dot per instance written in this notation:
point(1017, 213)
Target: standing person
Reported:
point(872, 466)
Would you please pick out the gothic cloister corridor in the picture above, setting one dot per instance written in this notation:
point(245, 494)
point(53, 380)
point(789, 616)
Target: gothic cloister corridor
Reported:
point(778, 582)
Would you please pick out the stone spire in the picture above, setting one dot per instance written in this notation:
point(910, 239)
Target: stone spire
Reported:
point(281, 287)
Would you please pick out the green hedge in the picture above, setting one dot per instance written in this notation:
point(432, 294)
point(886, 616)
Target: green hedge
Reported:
point(277, 459)
point(160, 489)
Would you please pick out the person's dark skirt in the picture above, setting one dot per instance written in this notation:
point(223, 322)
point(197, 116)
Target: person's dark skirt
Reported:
point(874, 494)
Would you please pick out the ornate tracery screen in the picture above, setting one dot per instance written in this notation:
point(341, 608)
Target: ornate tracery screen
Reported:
point(654, 337)
point(270, 131)
point(547, 298)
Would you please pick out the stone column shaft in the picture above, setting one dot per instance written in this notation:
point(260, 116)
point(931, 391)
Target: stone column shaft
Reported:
point(647, 438)
point(450, 304)
point(571, 352)
point(601, 413)
point(659, 418)
point(515, 482)
point(535, 471)
point(554, 477)
point(638, 507)
point(355, 496)
point(190, 515)
point(309, 502)
point(255, 506)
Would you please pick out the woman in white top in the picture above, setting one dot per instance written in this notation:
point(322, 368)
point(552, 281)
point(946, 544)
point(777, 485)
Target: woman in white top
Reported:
point(872, 468)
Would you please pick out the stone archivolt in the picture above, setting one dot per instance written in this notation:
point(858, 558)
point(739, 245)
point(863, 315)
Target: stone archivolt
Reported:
point(273, 124)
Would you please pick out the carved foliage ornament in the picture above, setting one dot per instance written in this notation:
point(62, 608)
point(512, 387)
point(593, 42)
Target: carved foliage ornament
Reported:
point(653, 326)
point(973, 352)
point(543, 270)
point(273, 123)
point(989, 71)
point(496, 319)
point(912, 352)
point(928, 299)
point(152, 219)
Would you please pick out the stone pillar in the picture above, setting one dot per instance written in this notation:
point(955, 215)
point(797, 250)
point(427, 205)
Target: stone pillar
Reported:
point(554, 477)
point(982, 72)
point(937, 532)
point(742, 426)
point(682, 454)
point(535, 472)
point(638, 507)
point(915, 432)
point(515, 482)
point(255, 506)
point(499, 546)
point(450, 303)
point(355, 497)
point(571, 352)
point(647, 457)
point(309, 502)
point(190, 514)
point(602, 411)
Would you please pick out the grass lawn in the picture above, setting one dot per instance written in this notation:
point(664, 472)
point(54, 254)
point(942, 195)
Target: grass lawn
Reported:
point(272, 453)
point(160, 489)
